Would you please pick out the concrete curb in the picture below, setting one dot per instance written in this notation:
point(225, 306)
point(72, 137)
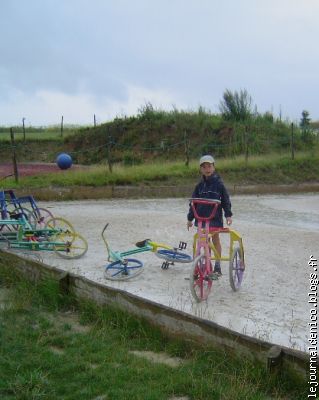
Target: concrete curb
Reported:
point(160, 191)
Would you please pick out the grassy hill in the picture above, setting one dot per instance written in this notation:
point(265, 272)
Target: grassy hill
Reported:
point(155, 134)
point(157, 147)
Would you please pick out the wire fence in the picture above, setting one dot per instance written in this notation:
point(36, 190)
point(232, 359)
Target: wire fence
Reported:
point(114, 146)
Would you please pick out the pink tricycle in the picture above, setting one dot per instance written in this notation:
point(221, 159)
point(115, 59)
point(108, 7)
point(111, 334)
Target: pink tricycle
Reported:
point(204, 250)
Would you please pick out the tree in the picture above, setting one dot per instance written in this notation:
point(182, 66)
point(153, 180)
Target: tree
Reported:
point(305, 120)
point(236, 106)
point(305, 127)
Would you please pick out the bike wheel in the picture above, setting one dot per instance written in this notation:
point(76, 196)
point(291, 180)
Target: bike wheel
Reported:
point(200, 280)
point(40, 217)
point(59, 225)
point(122, 270)
point(236, 269)
point(69, 245)
point(17, 213)
point(173, 255)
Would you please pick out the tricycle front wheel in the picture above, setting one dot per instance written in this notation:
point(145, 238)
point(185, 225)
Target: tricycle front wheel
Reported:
point(200, 278)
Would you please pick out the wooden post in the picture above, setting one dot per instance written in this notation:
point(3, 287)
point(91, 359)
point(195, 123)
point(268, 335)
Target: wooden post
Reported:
point(23, 128)
point(246, 144)
point(230, 143)
point(108, 151)
point(274, 359)
point(186, 149)
point(14, 158)
point(292, 142)
point(94, 121)
point(62, 126)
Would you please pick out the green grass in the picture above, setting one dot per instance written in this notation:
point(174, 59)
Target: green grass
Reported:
point(55, 348)
point(272, 169)
point(39, 134)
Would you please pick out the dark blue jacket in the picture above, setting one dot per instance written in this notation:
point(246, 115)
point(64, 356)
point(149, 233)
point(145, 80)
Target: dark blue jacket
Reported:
point(211, 188)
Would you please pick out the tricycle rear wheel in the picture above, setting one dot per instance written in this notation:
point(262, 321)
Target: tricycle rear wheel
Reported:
point(236, 269)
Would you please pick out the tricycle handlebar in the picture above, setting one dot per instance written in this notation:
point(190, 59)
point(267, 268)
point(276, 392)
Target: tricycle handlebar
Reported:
point(209, 202)
point(105, 228)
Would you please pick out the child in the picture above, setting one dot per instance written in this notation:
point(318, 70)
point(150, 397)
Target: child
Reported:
point(211, 187)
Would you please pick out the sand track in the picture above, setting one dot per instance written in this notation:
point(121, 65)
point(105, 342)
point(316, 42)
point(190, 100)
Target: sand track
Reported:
point(280, 233)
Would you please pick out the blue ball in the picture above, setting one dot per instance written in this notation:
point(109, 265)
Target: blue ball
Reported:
point(64, 161)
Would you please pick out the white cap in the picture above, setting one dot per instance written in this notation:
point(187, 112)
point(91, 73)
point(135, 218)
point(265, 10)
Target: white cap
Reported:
point(206, 158)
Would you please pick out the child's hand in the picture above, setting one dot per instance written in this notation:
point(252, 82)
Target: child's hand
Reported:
point(189, 224)
point(229, 220)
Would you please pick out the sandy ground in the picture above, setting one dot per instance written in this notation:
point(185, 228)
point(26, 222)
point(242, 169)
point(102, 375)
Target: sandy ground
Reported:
point(280, 233)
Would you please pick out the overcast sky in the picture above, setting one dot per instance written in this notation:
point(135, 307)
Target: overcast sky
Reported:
point(78, 58)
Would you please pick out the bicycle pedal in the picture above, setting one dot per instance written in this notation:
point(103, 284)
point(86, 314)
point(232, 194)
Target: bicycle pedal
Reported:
point(182, 245)
point(165, 265)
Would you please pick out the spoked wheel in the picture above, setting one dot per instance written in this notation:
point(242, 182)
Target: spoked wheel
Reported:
point(200, 280)
point(17, 213)
point(58, 225)
point(122, 270)
point(173, 255)
point(69, 245)
point(236, 269)
point(40, 217)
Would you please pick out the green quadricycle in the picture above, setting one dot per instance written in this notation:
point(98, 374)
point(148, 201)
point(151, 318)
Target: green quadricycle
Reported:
point(58, 236)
